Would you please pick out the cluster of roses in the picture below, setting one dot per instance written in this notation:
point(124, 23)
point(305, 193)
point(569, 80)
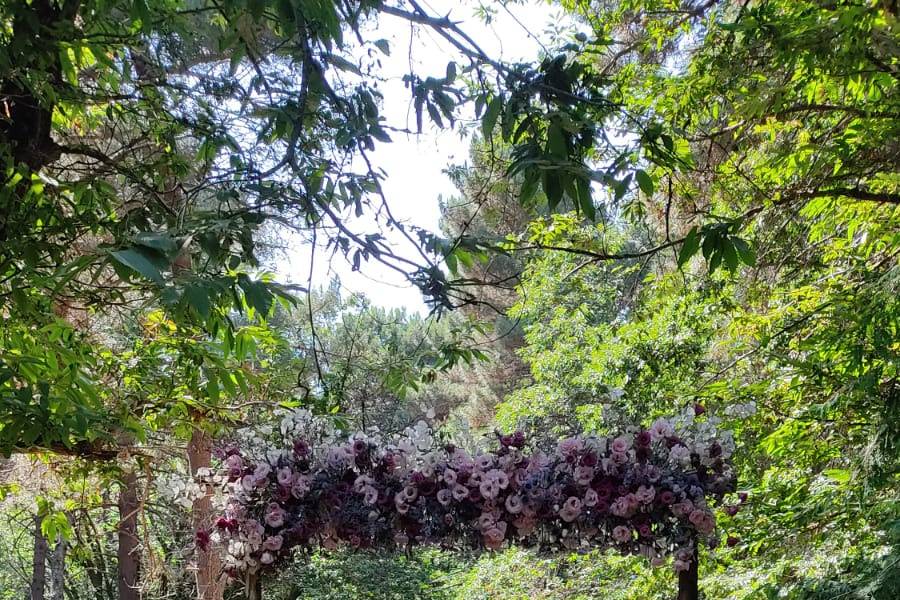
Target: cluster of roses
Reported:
point(647, 491)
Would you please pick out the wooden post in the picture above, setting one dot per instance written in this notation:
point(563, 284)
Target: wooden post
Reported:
point(129, 551)
point(210, 584)
point(688, 581)
point(253, 587)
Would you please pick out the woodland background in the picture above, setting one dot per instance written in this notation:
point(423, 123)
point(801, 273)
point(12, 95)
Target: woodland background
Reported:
point(685, 203)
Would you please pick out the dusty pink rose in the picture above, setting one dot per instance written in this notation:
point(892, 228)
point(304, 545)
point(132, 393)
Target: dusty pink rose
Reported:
point(273, 543)
point(493, 538)
point(621, 444)
point(513, 504)
point(274, 515)
point(645, 494)
point(621, 534)
point(460, 492)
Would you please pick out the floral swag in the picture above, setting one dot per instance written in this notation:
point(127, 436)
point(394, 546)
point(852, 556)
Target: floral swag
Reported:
point(645, 491)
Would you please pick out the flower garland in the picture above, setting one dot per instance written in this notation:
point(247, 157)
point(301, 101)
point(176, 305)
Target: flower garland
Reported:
point(645, 491)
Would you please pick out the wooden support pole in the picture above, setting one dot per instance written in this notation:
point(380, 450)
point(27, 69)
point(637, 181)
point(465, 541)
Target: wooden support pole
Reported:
point(688, 581)
point(253, 587)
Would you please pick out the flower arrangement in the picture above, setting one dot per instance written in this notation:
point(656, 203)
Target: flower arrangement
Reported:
point(645, 491)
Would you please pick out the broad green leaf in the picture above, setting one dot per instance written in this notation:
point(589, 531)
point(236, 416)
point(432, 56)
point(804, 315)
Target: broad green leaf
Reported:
point(140, 260)
point(645, 182)
point(491, 114)
point(689, 247)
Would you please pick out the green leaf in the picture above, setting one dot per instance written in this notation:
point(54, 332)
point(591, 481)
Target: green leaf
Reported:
point(729, 254)
point(197, 298)
point(384, 46)
point(556, 142)
point(553, 188)
point(140, 260)
point(585, 200)
point(689, 247)
point(491, 114)
point(645, 182)
point(745, 252)
point(257, 296)
point(157, 241)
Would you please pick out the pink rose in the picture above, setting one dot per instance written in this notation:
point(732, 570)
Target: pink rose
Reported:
point(621, 534)
point(513, 504)
point(682, 509)
point(621, 444)
point(460, 492)
point(584, 475)
point(645, 494)
point(274, 515)
point(284, 476)
point(273, 543)
point(493, 538)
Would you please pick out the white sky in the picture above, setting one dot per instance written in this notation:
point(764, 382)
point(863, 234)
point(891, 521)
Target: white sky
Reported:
point(414, 164)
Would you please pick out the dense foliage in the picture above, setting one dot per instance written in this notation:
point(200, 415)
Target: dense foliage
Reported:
point(678, 203)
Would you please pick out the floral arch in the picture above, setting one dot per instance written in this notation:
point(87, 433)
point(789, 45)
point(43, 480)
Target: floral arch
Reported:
point(648, 491)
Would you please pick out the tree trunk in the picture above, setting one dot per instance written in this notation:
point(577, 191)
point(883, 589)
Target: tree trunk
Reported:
point(210, 583)
point(58, 570)
point(129, 552)
point(688, 581)
point(38, 561)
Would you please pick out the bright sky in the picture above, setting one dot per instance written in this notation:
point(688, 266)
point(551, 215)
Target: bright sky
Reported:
point(414, 164)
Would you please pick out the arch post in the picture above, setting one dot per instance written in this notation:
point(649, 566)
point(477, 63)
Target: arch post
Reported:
point(688, 581)
point(253, 587)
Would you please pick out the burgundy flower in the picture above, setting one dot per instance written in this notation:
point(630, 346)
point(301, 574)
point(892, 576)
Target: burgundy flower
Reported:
point(589, 459)
point(642, 453)
point(201, 538)
point(732, 510)
point(301, 448)
point(699, 409)
point(732, 541)
point(518, 439)
point(642, 439)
